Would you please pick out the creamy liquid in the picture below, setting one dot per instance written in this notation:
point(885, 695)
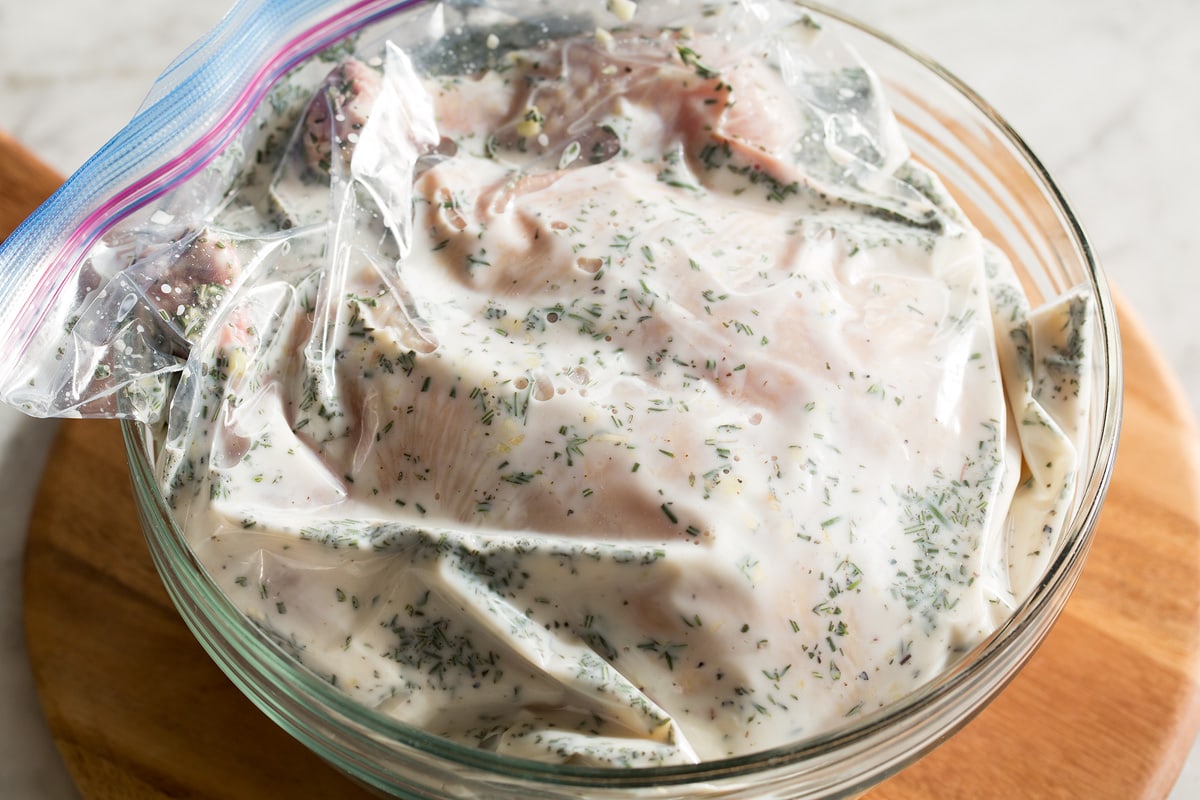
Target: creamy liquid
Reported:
point(598, 426)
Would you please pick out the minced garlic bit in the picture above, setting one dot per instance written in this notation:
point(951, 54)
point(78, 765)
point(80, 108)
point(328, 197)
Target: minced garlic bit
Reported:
point(530, 125)
point(623, 10)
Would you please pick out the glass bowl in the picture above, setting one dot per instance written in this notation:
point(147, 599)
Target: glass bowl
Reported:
point(1010, 197)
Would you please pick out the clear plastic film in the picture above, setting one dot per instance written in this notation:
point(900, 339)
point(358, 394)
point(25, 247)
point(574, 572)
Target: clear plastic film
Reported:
point(95, 336)
point(604, 386)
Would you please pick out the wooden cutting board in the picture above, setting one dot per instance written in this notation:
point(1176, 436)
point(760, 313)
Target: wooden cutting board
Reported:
point(1107, 708)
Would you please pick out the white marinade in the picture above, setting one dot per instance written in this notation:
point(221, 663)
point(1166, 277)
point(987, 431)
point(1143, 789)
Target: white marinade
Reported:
point(576, 409)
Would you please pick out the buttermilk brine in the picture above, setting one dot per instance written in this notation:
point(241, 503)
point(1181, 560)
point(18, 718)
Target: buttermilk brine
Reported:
point(628, 397)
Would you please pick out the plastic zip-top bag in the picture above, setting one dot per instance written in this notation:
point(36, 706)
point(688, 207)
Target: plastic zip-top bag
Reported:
point(556, 380)
point(85, 332)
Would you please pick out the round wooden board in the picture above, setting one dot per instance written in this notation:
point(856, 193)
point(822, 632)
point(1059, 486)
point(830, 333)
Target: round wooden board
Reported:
point(1107, 708)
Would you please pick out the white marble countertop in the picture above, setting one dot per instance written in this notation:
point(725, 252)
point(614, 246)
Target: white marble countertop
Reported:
point(1105, 95)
